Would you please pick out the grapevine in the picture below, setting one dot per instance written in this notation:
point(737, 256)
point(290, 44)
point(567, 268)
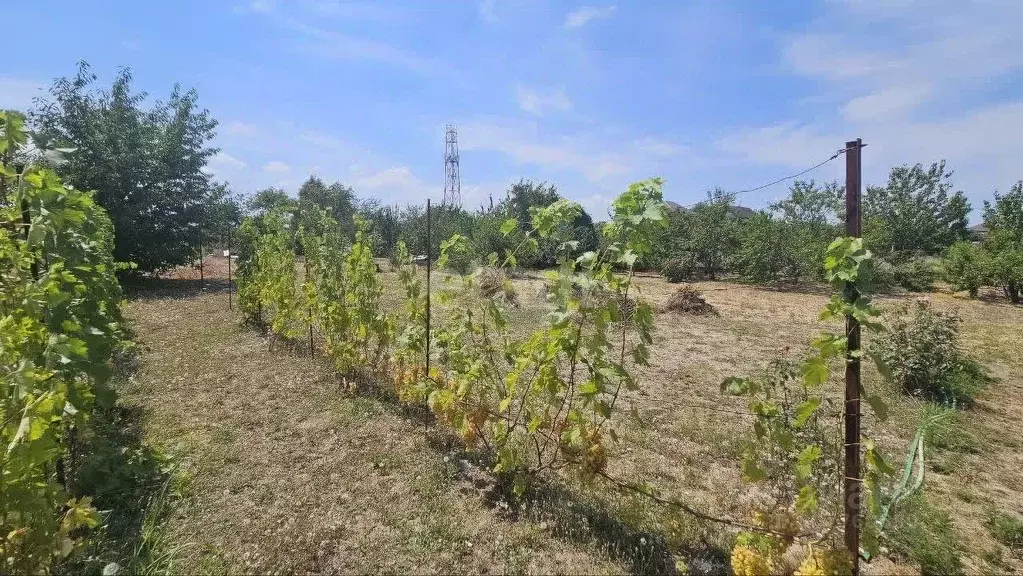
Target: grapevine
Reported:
point(60, 325)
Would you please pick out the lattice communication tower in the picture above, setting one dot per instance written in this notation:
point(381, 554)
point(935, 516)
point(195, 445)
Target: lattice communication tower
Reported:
point(452, 181)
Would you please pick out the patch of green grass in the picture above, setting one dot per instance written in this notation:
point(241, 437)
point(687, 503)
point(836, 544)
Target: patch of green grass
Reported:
point(923, 533)
point(1007, 529)
point(948, 441)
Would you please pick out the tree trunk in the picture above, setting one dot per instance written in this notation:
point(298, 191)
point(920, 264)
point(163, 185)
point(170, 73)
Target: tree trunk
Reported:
point(1013, 292)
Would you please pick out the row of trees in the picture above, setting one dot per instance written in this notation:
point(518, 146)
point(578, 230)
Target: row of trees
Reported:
point(387, 226)
point(148, 166)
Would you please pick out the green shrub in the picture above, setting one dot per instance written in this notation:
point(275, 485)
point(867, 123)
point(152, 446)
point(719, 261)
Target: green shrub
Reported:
point(460, 262)
point(921, 352)
point(916, 274)
point(1007, 272)
point(879, 275)
point(966, 267)
point(679, 269)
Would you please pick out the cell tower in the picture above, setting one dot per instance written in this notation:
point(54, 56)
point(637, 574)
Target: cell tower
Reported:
point(452, 182)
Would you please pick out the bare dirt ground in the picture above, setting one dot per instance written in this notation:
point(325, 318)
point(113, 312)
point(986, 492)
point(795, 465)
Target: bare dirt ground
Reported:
point(287, 473)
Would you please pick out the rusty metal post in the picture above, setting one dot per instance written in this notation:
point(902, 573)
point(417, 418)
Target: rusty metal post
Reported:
point(852, 480)
point(309, 309)
point(202, 278)
point(230, 296)
point(428, 264)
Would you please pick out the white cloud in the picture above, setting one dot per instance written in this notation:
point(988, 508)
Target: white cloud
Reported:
point(323, 42)
point(585, 14)
point(243, 129)
point(537, 102)
point(658, 147)
point(523, 143)
point(926, 88)
point(263, 6)
point(276, 167)
point(390, 178)
point(17, 93)
point(348, 10)
point(223, 164)
point(886, 103)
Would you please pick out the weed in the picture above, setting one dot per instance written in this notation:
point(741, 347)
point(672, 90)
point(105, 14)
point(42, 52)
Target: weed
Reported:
point(923, 533)
point(1007, 529)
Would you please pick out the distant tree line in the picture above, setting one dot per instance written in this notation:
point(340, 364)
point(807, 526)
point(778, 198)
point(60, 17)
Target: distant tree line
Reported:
point(148, 167)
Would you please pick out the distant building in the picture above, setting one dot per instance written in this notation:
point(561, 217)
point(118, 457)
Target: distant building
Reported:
point(978, 232)
point(737, 211)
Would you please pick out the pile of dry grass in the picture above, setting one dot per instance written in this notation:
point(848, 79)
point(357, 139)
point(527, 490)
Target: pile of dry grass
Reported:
point(494, 283)
point(688, 300)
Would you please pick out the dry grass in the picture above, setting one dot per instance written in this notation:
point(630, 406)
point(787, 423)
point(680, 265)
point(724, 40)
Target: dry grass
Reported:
point(289, 474)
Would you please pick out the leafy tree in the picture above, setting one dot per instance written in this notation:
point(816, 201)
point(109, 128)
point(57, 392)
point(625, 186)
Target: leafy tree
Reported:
point(966, 267)
point(223, 213)
point(807, 223)
point(267, 200)
point(1004, 217)
point(713, 231)
point(1004, 220)
point(917, 211)
point(765, 250)
point(337, 199)
point(525, 196)
point(1007, 272)
point(812, 205)
point(145, 165)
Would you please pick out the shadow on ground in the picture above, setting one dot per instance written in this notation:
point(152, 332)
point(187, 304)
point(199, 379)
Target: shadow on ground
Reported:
point(130, 483)
point(176, 288)
point(569, 514)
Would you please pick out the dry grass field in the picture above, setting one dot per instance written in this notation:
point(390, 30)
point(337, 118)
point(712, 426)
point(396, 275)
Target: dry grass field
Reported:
point(280, 470)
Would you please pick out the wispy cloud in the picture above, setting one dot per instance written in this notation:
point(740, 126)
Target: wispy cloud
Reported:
point(223, 165)
point(927, 90)
point(276, 167)
point(537, 101)
point(585, 14)
point(322, 41)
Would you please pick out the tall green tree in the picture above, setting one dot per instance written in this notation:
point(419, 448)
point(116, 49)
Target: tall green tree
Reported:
point(146, 165)
point(916, 212)
point(526, 195)
point(1004, 220)
point(337, 199)
point(808, 223)
point(265, 201)
point(713, 232)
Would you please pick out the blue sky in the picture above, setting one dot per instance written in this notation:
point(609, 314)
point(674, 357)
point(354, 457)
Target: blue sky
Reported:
point(588, 96)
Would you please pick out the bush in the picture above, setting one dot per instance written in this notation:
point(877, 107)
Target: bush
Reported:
point(879, 275)
point(922, 354)
point(460, 262)
point(680, 269)
point(966, 267)
point(1007, 272)
point(916, 274)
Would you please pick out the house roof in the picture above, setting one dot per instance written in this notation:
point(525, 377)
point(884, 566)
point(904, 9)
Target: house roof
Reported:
point(740, 211)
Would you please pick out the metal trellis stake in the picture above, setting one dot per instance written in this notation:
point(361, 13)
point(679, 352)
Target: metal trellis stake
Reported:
point(310, 307)
point(852, 481)
point(230, 298)
point(202, 278)
point(428, 264)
